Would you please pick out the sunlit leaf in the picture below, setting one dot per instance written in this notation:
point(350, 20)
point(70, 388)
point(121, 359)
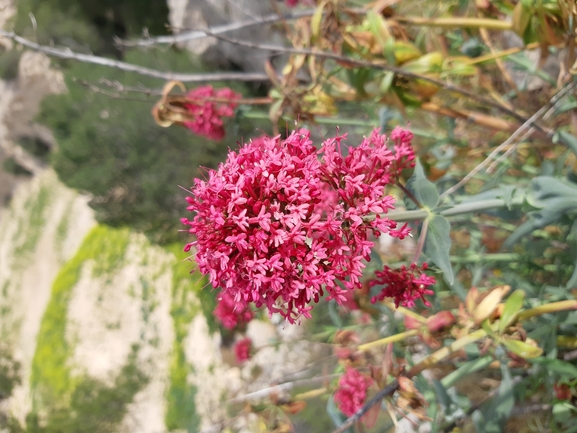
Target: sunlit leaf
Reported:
point(512, 307)
point(405, 52)
point(521, 18)
point(316, 20)
point(522, 349)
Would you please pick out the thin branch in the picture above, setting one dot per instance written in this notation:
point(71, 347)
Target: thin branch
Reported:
point(384, 67)
point(263, 393)
point(216, 30)
point(528, 126)
point(129, 67)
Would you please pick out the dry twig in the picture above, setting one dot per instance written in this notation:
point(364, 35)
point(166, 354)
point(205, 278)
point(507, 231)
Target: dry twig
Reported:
point(216, 30)
point(129, 67)
point(527, 128)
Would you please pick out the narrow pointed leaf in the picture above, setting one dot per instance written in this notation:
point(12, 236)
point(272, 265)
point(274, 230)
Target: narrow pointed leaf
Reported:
point(422, 188)
point(512, 307)
point(438, 245)
point(522, 349)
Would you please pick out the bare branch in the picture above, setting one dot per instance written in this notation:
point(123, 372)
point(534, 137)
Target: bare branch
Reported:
point(527, 128)
point(216, 30)
point(129, 67)
point(287, 386)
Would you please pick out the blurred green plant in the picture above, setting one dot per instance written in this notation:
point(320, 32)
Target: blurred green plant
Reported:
point(9, 61)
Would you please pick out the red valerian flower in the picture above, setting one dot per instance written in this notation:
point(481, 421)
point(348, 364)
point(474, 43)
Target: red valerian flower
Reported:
point(280, 222)
point(207, 112)
point(242, 350)
point(352, 391)
point(405, 285)
point(230, 313)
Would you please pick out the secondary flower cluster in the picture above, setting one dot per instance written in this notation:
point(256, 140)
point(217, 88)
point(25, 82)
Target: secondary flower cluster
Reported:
point(232, 314)
point(280, 222)
point(242, 350)
point(352, 391)
point(208, 106)
point(405, 285)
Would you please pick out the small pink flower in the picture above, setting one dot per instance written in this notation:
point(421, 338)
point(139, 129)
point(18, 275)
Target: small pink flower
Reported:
point(242, 350)
point(352, 391)
point(208, 114)
point(230, 313)
point(405, 285)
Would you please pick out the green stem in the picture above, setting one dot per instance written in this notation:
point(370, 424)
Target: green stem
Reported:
point(474, 258)
point(460, 209)
point(391, 339)
point(261, 115)
point(458, 22)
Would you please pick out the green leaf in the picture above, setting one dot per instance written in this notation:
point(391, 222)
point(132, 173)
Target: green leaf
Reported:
point(378, 28)
point(316, 21)
point(386, 82)
point(567, 139)
point(466, 369)
point(553, 198)
point(492, 418)
point(521, 18)
point(504, 402)
point(572, 239)
point(422, 188)
point(334, 315)
point(336, 415)
point(438, 245)
point(512, 307)
point(564, 369)
point(522, 349)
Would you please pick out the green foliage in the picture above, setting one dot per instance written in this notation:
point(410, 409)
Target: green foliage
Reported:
point(94, 406)
point(113, 150)
point(35, 146)
point(30, 228)
point(9, 373)
point(11, 166)
point(180, 411)
point(51, 377)
point(89, 26)
point(9, 61)
point(180, 405)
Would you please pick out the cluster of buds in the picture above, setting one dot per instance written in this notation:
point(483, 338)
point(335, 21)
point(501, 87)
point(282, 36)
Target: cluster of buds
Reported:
point(432, 328)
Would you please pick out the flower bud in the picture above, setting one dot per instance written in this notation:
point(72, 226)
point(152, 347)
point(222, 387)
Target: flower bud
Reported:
point(488, 305)
point(440, 321)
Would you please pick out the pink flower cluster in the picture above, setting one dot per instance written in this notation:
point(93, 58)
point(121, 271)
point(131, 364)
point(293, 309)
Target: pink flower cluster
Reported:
point(352, 391)
point(405, 285)
point(207, 112)
point(280, 222)
point(232, 314)
point(242, 350)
